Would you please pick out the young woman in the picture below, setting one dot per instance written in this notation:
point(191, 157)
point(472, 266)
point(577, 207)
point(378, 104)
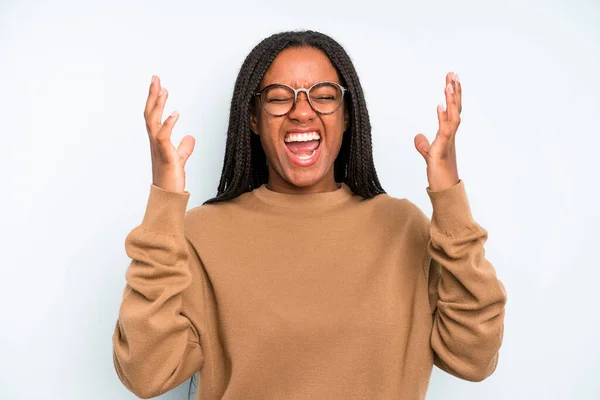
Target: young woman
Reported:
point(302, 278)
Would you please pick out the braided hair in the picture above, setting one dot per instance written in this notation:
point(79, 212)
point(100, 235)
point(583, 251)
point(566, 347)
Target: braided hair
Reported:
point(245, 164)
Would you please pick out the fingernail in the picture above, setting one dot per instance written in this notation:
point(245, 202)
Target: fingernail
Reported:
point(450, 88)
point(153, 79)
point(456, 78)
point(174, 113)
point(162, 91)
point(441, 106)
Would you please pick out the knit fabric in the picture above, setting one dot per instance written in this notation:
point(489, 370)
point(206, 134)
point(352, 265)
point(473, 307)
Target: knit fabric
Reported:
point(312, 296)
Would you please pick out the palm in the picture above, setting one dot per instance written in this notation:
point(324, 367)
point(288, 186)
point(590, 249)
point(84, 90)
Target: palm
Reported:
point(168, 162)
point(440, 155)
point(439, 150)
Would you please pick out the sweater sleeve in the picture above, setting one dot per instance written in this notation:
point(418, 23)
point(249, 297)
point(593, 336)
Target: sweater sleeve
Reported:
point(467, 299)
point(156, 341)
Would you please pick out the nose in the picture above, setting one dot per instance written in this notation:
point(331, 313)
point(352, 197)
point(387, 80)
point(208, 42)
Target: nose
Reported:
point(302, 112)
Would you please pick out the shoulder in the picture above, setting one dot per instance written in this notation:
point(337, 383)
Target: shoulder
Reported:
point(215, 215)
point(395, 208)
point(400, 213)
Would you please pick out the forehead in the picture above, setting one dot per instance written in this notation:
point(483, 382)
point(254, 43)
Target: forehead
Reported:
point(300, 67)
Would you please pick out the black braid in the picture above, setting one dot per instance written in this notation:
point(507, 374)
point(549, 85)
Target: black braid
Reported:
point(245, 162)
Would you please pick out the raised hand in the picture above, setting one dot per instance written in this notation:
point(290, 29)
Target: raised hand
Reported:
point(440, 156)
point(168, 162)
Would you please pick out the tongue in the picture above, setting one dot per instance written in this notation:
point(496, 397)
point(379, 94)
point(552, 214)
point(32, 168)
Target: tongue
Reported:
point(303, 148)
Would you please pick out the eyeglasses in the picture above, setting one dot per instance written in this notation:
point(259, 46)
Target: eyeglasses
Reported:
point(324, 97)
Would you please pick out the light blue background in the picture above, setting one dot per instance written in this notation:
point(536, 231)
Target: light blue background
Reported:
point(75, 163)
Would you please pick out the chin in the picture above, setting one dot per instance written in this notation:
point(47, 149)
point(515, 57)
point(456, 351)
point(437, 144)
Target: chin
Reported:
point(303, 177)
point(313, 174)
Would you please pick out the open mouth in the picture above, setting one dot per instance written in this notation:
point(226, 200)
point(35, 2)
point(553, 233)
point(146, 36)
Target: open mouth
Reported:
point(303, 148)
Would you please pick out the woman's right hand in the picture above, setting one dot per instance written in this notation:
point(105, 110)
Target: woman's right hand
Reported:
point(168, 162)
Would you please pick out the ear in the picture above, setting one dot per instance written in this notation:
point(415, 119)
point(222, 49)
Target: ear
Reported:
point(253, 122)
point(346, 119)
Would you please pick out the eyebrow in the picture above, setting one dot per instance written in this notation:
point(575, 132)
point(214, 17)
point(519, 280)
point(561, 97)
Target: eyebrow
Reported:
point(297, 86)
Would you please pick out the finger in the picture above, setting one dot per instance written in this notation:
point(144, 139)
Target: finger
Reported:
point(452, 109)
point(442, 115)
point(186, 147)
point(422, 145)
point(152, 95)
point(444, 125)
point(452, 79)
point(163, 137)
point(449, 78)
point(457, 91)
point(154, 119)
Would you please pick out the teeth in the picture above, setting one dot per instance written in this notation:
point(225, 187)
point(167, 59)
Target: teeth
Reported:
point(306, 157)
point(302, 137)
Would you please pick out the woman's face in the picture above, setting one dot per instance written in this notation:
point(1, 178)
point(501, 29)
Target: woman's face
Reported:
point(296, 167)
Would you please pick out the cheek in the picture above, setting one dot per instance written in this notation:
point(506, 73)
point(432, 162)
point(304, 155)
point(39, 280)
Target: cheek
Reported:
point(334, 125)
point(269, 129)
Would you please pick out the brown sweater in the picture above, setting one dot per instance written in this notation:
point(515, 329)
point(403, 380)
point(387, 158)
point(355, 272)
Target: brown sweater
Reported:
point(318, 296)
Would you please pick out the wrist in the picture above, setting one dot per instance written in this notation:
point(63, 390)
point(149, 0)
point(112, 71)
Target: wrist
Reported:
point(442, 179)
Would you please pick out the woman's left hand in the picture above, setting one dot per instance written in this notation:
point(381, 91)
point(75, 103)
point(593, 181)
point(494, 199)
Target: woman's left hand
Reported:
point(440, 156)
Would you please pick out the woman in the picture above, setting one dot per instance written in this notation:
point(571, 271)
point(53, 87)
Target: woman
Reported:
point(302, 278)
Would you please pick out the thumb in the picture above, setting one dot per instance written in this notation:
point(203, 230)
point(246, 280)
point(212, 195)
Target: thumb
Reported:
point(422, 145)
point(185, 148)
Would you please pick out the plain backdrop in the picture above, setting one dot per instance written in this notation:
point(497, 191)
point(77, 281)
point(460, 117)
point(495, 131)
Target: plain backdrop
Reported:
point(75, 164)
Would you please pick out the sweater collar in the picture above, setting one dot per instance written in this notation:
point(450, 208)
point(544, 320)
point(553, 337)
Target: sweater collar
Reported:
point(310, 200)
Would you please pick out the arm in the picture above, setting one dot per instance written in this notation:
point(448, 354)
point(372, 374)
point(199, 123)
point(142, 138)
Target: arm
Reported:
point(156, 342)
point(467, 300)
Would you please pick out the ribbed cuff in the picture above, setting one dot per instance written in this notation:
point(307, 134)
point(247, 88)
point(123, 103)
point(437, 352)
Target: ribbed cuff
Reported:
point(165, 211)
point(451, 210)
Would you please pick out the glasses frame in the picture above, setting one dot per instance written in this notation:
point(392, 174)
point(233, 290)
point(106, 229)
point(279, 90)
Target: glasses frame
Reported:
point(305, 90)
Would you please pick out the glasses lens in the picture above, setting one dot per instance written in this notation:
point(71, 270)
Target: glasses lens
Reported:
point(326, 97)
point(277, 100)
